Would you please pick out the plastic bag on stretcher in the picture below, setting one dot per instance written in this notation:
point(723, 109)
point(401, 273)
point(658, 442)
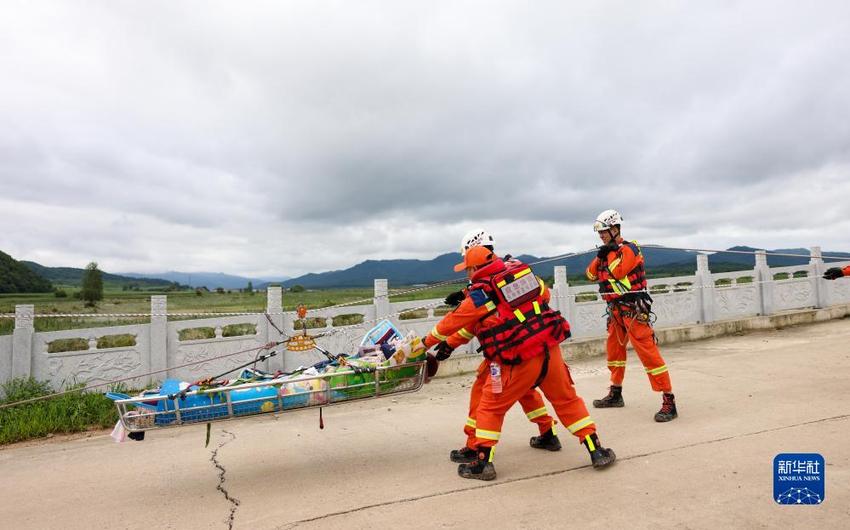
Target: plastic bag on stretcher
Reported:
point(382, 346)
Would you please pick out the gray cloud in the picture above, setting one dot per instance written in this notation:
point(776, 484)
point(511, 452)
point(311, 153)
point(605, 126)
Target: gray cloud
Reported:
point(281, 138)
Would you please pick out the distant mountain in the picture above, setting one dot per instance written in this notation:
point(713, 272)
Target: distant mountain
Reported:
point(74, 276)
point(411, 271)
point(274, 279)
point(774, 261)
point(16, 277)
point(210, 280)
point(659, 260)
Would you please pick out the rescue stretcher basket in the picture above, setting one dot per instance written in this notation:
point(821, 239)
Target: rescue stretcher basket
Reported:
point(267, 396)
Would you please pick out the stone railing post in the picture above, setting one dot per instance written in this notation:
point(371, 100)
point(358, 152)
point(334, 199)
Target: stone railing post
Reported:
point(381, 299)
point(820, 286)
point(705, 289)
point(764, 277)
point(22, 340)
point(159, 355)
point(561, 292)
point(274, 308)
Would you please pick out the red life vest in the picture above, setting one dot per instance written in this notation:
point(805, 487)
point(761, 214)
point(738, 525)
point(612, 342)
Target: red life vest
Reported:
point(612, 288)
point(521, 325)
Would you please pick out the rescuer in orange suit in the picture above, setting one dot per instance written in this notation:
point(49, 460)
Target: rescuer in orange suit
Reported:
point(520, 337)
point(833, 273)
point(619, 269)
point(532, 404)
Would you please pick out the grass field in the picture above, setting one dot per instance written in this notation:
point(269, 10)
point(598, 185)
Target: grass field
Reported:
point(117, 301)
point(120, 301)
point(72, 412)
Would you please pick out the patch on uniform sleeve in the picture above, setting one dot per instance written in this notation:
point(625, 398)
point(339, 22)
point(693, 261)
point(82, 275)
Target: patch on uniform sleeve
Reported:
point(479, 297)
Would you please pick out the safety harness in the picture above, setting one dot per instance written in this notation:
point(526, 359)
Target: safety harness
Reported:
point(627, 297)
point(613, 288)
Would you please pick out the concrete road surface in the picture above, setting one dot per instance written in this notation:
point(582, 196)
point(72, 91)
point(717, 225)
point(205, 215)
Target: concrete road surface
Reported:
point(384, 463)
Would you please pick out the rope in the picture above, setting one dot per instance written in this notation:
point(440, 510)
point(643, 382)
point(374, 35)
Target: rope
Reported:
point(767, 253)
point(343, 329)
point(428, 306)
point(418, 289)
point(142, 315)
point(268, 346)
point(335, 306)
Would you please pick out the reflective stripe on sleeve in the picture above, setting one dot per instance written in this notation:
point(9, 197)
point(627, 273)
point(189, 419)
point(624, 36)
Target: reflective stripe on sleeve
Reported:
point(470, 422)
point(465, 334)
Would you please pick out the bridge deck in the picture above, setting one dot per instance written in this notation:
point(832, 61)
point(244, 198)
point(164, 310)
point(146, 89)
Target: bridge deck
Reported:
point(742, 400)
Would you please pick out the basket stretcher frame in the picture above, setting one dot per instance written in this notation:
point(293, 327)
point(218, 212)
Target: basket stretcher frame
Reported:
point(135, 413)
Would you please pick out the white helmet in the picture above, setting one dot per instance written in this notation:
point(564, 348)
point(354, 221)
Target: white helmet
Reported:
point(476, 238)
point(606, 220)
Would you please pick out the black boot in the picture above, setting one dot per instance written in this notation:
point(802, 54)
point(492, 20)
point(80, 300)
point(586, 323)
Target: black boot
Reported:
point(482, 468)
point(599, 456)
point(613, 399)
point(548, 440)
point(668, 409)
point(137, 436)
point(463, 455)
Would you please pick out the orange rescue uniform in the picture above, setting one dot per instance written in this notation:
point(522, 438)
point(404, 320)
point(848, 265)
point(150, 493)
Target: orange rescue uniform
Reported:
point(477, 313)
point(531, 402)
point(620, 273)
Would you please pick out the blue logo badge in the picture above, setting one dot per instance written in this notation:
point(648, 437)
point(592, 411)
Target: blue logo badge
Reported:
point(798, 478)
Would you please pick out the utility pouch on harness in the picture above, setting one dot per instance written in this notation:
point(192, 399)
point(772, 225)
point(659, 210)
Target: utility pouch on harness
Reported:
point(636, 305)
point(518, 287)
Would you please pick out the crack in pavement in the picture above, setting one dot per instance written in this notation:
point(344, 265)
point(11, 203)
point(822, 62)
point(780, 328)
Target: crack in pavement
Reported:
point(221, 471)
point(293, 524)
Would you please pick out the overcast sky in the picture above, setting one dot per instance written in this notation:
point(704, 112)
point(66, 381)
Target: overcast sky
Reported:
point(278, 138)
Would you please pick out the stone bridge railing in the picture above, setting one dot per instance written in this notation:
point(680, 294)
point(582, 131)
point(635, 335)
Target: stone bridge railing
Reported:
point(162, 345)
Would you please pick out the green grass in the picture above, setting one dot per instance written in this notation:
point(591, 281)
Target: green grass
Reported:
point(206, 332)
point(116, 341)
point(237, 330)
point(74, 412)
point(63, 345)
point(348, 319)
point(117, 301)
point(196, 333)
point(786, 276)
point(586, 297)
